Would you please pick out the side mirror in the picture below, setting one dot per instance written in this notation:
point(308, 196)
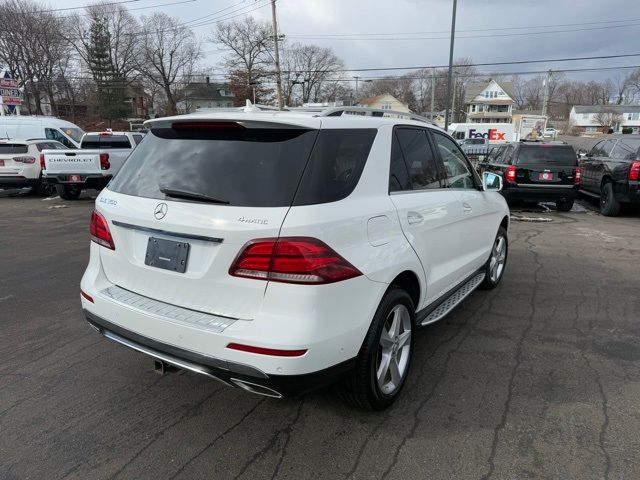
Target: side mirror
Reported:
point(491, 182)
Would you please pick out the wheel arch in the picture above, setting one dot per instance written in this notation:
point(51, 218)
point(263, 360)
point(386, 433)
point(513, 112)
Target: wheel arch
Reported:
point(505, 222)
point(408, 281)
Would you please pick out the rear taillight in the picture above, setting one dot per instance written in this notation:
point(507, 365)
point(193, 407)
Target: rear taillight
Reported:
point(24, 159)
point(42, 162)
point(510, 174)
point(104, 161)
point(577, 176)
point(99, 230)
point(301, 260)
point(266, 351)
point(86, 296)
point(634, 171)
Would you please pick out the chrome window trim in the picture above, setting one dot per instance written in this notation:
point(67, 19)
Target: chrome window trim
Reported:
point(167, 232)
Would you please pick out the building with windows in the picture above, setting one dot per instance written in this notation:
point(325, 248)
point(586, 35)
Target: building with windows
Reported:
point(203, 95)
point(593, 119)
point(489, 102)
point(385, 101)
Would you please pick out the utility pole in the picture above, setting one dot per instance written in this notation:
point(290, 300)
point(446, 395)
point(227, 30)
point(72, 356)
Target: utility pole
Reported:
point(277, 55)
point(357, 78)
point(545, 102)
point(449, 79)
point(433, 90)
point(453, 100)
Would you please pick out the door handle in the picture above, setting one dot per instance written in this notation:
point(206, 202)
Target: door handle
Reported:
point(414, 217)
point(467, 208)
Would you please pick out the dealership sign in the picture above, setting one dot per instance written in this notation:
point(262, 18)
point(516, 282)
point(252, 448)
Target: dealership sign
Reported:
point(9, 93)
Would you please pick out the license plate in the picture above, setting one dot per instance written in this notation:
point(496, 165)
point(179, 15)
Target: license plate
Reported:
point(1, 163)
point(167, 254)
point(545, 176)
point(74, 178)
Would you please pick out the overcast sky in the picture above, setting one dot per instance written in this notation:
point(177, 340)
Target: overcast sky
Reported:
point(432, 18)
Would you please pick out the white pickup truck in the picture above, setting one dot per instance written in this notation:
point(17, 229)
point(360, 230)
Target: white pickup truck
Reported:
point(99, 158)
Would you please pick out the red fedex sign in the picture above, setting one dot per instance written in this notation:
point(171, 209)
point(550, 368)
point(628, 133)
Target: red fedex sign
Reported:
point(492, 134)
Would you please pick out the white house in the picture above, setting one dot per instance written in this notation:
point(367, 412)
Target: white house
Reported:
point(384, 102)
point(489, 102)
point(600, 118)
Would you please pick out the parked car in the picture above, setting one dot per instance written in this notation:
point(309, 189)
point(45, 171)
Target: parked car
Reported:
point(537, 172)
point(100, 157)
point(611, 172)
point(475, 146)
point(50, 128)
point(20, 164)
point(278, 252)
point(551, 133)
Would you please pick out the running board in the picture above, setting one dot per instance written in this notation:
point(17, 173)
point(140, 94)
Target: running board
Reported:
point(453, 300)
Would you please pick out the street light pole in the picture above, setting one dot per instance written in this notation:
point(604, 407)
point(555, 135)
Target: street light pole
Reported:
point(277, 55)
point(450, 76)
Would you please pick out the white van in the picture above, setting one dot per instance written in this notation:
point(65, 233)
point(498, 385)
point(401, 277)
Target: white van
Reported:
point(27, 127)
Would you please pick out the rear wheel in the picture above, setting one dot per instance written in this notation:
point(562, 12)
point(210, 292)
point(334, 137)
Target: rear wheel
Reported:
point(564, 205)
point(68, 192)
point(494, 268)
point(43, 189)
point(385, 357)
point(609, 206)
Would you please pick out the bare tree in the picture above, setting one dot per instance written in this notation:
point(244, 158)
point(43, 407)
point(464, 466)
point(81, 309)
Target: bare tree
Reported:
point(168, 53)
point(519, 91)
point(608, 119)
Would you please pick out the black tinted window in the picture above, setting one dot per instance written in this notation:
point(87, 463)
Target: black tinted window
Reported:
point(603, 148)
point(137, 138)
point(252, 167)
point(398, 173)
point(335, 165)
point(547, 154)
point(455, 165)
point(419, 158)
point(105, 141)
point(53, 134)
point(11, 148)
point(626, 149)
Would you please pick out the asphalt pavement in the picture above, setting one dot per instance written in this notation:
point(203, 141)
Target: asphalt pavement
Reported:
point(539, 378)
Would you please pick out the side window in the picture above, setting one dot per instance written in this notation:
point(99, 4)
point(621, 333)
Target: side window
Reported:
point(626, 149)
point(603, 149)
point(137, 138)
point(419, 159)
point(53, 134)
point(398, 173)
point(455, 165)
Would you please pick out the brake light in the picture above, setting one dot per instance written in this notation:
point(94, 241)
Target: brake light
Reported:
point(24, 160)
point(42, 166)
point(266, 351)
point(510, 174)
point(634, 171)
point(301, 260)
point(104, 161)
point(207, 126)
point(99, 230)
point(86, 296)
point(577, 176)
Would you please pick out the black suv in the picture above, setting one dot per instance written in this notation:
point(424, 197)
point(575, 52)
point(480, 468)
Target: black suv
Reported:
point(536, 172)
point(611, 171)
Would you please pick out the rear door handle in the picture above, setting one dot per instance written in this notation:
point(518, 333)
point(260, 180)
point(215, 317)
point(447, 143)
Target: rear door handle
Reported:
point(467, 208)
point(414, 217)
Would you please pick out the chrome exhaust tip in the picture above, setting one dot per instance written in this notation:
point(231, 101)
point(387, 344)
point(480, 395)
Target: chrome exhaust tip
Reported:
point(255, 388)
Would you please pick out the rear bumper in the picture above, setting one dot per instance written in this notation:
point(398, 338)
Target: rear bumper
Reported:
point(97, 181)
point(17, 182)
point(539, 194)
point(230, 373)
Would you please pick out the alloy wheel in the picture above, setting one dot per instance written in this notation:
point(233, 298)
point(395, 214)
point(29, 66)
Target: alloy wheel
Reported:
point(498, 258)
point(395, 349)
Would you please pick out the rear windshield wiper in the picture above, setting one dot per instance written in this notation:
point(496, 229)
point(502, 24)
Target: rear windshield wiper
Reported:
point(201, 197)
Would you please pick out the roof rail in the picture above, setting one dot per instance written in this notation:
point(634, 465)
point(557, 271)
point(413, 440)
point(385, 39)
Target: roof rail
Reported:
point(371, 112)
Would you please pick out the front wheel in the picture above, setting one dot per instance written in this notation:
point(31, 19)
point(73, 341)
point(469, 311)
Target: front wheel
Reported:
point(68, 192)
point(494, 268)
point(385, 356)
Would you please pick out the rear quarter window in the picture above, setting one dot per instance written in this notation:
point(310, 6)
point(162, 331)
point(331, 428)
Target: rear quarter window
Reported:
point(563, 155)
point(12, 148)
point(105, 142)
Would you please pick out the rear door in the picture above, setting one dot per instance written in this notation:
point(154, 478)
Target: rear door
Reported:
point(212, 186)
point(546, 165)
point(592, 164)
point(428, 212)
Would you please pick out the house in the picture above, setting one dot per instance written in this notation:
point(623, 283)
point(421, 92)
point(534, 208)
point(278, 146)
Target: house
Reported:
point(199, 95)
point(385, 101)
point(602, 118)
point(489, 102)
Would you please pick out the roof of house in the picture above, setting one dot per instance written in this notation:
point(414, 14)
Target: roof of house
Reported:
point(377, 98)
point(607, 108)
point(473, 89)
point(208, 91)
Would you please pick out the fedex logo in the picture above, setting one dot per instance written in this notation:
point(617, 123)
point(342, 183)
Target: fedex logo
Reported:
point(492, 134)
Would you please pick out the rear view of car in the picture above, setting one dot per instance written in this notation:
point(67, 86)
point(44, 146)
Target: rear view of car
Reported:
point(542, 172)
point(21, 164)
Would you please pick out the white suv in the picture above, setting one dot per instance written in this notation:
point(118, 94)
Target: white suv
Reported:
point(280, 251)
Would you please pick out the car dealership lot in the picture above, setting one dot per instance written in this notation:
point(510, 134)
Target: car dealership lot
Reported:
point(539, 378)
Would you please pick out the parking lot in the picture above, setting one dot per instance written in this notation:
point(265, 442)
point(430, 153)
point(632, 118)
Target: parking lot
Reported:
point(539, 378)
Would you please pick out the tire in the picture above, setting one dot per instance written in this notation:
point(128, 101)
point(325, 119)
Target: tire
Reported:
point(362, 387)
point(68, 192)
point(492, 278)
point(564, 205)
point(609, 206)
point(43, 189)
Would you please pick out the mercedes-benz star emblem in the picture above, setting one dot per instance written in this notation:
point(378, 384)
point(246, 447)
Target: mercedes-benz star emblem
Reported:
point(160, 211)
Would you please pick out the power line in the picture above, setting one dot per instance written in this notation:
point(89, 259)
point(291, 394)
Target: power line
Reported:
point(133, 9)
point(52, 10)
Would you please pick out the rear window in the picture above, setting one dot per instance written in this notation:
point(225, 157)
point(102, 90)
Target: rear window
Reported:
point(11, 148)
point(547, 154)
point(105, 141)
point(50, 146)
point(248, 167)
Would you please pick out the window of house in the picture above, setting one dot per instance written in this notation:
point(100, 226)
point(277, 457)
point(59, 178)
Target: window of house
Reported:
point(386, 106)
point(585, 116)
point(633, 116)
